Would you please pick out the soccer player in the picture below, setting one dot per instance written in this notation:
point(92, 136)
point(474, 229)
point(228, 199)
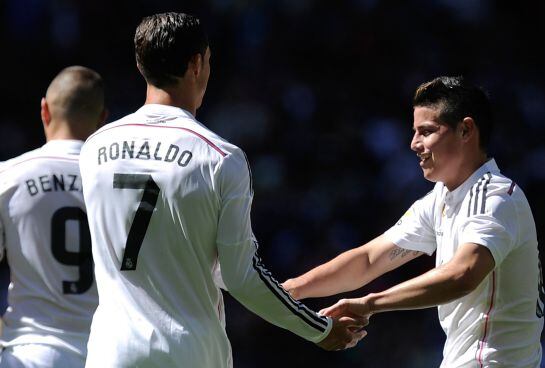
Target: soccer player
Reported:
point(487, 281)
point(44, 231)
point(168, 203)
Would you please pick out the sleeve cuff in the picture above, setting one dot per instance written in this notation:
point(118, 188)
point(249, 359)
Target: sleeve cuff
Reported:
point(404, 243)
point(498, 257)
point(321, 337)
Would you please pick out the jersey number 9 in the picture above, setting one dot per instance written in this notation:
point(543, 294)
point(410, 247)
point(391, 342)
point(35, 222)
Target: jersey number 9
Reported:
point(82, 259)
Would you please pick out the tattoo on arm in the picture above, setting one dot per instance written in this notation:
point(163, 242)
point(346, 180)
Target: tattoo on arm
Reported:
point(400, 252)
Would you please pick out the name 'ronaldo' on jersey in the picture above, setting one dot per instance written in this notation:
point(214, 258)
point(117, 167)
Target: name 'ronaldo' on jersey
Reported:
point(125, 150)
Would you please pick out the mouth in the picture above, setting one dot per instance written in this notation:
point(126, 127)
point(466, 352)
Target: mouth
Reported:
point(424, 158)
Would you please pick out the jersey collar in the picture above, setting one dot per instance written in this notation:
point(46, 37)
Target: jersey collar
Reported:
point(157, 110)
point(63, 146)
point(458, 194)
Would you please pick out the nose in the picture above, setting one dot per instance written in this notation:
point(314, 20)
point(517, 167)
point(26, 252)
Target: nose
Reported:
point(416, 144)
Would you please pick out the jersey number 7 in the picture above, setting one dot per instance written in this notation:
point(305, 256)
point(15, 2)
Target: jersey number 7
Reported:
point(142, 216)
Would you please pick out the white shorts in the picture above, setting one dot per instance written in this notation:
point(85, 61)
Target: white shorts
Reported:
point(39, 356)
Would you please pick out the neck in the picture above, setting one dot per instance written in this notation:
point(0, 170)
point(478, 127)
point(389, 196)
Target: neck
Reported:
point(177, 97)
point(57, 131)
point(466, 170)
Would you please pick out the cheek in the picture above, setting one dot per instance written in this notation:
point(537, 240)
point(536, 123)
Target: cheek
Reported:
point(432, 144)
point(443, 149)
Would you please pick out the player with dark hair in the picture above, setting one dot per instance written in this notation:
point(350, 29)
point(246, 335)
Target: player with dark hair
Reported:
point(169, 213)
point(44, 231)
point(487, 281)
point(165, 44)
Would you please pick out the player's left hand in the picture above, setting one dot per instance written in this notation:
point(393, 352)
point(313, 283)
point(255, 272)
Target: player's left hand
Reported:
point(345, 333)
point(354, 308)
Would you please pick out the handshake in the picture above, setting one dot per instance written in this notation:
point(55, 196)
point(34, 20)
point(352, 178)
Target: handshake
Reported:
point(350, 316)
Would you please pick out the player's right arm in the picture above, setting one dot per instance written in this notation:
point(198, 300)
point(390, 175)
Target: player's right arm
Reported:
point(412, 236)
point(250, 282)
point(350, 270)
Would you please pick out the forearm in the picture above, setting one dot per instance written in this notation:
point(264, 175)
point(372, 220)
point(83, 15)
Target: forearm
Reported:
point(350, 270)
point(455, 279)
point(344, 273)
point(249, 282)
point(438, 286)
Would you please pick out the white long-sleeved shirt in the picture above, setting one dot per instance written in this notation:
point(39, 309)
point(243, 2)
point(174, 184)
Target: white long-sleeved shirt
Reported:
point(52, 294)
point(168, 203)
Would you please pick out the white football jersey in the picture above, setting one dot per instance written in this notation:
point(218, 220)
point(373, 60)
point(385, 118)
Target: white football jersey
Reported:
point(52, 294)
point(169, 202)
point(500, 322)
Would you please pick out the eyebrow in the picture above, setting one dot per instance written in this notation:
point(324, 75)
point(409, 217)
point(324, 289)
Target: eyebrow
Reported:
point(424, 126)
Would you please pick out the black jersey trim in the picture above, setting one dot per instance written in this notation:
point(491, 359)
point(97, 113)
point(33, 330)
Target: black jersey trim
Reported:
point(476, 199)
point(477, 195)
point(469, 203)
point(298, 308)
point(511, 188)
point(485, 188)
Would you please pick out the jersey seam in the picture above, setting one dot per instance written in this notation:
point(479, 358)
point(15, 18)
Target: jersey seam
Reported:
point(36, 158)
point(486, 331)
point(206, 140)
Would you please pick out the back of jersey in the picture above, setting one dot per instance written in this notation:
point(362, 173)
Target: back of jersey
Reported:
point(153, 211)
point(52, 294)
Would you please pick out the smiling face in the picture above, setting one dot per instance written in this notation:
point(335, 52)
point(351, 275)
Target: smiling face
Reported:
point(438, 146)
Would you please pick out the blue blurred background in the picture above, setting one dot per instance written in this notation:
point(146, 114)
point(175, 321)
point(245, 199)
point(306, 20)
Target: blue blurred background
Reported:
point(318, 94)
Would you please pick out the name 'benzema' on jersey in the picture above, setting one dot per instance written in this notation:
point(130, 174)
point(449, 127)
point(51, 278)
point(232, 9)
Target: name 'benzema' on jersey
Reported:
point(126, 150)
point(53, 183)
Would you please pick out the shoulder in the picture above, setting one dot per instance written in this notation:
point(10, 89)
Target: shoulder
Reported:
point(431, 197)
point(234, 170)
point(424, 207)
point(8, 167)
point(497, 185)
point(495, 193)
point(12, 171)
point(489, 185)
point(213, 140)
point(115, 124)
point(226, 153)
point(102, 135)
point(235, 161)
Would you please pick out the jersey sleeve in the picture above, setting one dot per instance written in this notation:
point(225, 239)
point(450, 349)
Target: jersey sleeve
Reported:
point(4, 185)
point(495, 229)
point(242, 270)
point(415, 230)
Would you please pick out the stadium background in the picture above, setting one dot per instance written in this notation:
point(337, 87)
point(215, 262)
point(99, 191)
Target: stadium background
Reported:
point(318, 94)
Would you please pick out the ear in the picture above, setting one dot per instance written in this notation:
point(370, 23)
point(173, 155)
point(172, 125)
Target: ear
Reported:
point(45, 113)
point(103, 116)
point(467, 128)
point(195, 64)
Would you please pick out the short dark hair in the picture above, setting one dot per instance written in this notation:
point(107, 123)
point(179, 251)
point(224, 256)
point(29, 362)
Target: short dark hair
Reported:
point(456, 99)
point(76, 94)
point(165, 43)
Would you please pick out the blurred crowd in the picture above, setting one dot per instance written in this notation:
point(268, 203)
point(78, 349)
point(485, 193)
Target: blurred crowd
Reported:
point(318, 94)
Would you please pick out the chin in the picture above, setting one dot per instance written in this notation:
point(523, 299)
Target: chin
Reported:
point(430, 177)
point(199, 103)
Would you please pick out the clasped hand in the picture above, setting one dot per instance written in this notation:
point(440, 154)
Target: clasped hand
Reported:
point(349, 319)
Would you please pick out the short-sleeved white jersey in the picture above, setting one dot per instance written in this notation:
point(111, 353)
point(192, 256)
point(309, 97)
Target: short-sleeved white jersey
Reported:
point(500, 322)
point(52, 294)
point(168, 202)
